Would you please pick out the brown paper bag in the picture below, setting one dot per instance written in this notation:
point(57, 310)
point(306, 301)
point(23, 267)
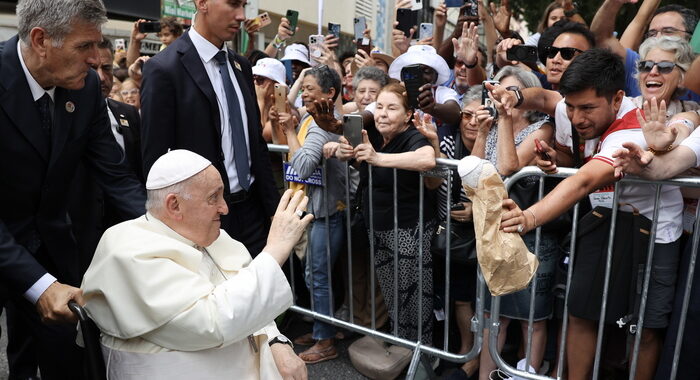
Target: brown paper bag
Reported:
point(505, 261)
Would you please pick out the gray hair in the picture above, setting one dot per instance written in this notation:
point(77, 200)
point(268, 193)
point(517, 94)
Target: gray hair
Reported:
point(370, 73)
point(527, 78)
point(57, 17)
point(472, 95)
point(681, 49)
point(155, 199)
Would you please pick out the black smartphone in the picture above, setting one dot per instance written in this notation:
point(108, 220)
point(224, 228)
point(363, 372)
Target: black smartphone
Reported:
point(293, 17)
point(334, 29)
point(522, 53)
point(352, 129)
point(149, 27)
point(364, 44)
point(289, 72)
point(407, 19)
point(359, 26)
point(488, 102)
point(412, 77)
point(471, 8)
point(454, 3)
point(457, 207)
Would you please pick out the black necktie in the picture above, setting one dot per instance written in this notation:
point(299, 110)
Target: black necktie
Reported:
point(240, 149)
point(44, 104)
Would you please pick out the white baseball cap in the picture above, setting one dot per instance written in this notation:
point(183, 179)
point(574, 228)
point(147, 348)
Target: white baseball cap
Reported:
point(297, 52)
point(270, 68)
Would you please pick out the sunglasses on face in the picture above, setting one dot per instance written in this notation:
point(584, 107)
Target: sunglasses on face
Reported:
point(664, 67)
point(567, 53)
point(259, 80)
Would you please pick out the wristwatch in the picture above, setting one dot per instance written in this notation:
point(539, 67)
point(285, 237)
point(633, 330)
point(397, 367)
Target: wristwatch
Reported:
point(519, 97)
point(281, 339)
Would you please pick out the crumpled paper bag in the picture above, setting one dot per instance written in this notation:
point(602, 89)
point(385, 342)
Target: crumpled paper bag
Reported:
point(505, 261)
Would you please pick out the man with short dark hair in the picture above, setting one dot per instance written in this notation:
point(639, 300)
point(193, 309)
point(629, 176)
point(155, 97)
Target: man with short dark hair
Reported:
point(51, 117)
point(599, 111)
point(198, 95)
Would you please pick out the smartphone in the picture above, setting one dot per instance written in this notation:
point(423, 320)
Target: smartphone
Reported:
point(262, 20)
point(334, 29)
point(416, 5)
point(360, 24)
point(365, 44)
point(407, 19)
point(149, 27)
point(522, 53)
point(352, 129)
point(119, 44)
point(488, 102)
point(454, 3)
point(457, 207)
point(471, 8)
point(412, 77)
point(293, 17)
point(316, 45)
point(425, 31)
point(543, 155)
point(280, 97)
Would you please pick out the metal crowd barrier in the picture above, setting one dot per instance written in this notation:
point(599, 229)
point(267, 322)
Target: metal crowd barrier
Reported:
point(479, 322)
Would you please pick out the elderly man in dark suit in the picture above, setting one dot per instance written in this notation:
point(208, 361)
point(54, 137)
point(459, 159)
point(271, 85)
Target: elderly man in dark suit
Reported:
point(51, 117)
point(198, 95)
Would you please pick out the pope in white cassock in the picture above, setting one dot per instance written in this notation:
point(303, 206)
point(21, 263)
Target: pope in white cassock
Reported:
point(176, 298)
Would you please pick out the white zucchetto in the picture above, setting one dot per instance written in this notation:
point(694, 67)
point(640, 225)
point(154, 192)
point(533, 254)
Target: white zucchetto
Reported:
point(173, 167)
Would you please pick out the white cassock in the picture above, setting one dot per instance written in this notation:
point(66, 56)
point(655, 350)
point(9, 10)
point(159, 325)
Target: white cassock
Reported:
point(170, 310)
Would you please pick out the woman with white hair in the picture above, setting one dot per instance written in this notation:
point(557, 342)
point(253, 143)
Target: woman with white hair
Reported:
point(663, 64)
point(367, 82)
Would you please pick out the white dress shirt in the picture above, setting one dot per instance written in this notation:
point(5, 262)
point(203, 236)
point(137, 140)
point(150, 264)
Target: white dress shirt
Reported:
point(36, 290)
point(207, 51)
point(115, 127)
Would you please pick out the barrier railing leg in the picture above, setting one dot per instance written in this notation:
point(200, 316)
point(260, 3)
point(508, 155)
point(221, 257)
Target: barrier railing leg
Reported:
point(413, 367)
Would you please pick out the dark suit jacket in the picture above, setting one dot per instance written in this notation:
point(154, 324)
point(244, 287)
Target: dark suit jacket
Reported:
point(36, 176)
point(91, 214)
point(179, 111)
point(131, 133)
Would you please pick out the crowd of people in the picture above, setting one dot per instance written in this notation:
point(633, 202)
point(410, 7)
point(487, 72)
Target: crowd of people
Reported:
point(142, 187)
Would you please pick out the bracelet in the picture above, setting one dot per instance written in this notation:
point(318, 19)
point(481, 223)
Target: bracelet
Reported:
point(661, 151)
point(533, 217)
point(277, 42)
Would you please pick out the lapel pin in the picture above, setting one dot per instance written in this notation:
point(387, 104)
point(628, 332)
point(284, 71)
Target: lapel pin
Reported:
point(124, 122)
point(70, 107)
point(238, 66)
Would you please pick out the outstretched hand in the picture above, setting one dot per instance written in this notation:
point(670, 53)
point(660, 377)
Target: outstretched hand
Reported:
point(631, 160)
point(653, 122)
point(426, 127)
point(323, 113)
point(287, 227)
point(467, 47)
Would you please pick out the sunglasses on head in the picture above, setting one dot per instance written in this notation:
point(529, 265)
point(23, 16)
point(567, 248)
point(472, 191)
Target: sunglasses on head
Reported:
point(664, 67)
point(567, 53)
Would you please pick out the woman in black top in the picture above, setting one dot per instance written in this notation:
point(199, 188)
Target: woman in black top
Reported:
point(398, 145)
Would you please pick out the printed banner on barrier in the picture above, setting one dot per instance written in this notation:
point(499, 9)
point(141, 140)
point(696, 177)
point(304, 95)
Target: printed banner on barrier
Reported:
point(316, 178)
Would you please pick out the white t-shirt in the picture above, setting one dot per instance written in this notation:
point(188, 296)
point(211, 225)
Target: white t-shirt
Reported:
point(641, 196)
point(693, 142)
